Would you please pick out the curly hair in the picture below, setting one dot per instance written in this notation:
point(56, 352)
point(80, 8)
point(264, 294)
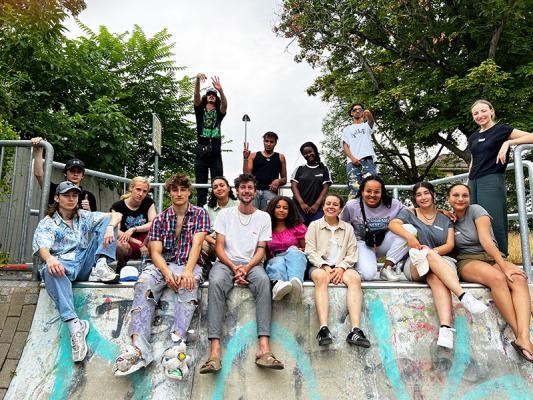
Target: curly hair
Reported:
point(386, 199)
point(243, 178)
point(293, 217)
point(178, 180)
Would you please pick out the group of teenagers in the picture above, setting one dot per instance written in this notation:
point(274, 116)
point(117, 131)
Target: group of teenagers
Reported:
point(312, 236)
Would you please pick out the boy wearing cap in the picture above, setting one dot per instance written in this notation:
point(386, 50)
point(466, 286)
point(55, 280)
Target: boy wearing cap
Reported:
point(209, 110)
point(74, 172)
point(69, 242)
point(175, 242)
point(268, 167)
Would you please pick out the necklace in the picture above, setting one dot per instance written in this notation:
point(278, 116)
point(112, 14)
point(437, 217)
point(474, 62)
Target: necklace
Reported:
point(426, 218)
point(240, 219)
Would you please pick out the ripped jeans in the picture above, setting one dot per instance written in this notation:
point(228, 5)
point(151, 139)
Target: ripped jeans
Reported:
point(147, 293)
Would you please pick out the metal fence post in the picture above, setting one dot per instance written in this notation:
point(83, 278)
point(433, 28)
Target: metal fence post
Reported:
point(522, 209)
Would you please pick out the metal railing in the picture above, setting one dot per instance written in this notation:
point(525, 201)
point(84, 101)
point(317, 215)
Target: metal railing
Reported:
point(28, 192)
point(523, 215)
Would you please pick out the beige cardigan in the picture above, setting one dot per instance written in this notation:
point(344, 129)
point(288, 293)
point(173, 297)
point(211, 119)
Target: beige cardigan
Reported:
point(317, 244)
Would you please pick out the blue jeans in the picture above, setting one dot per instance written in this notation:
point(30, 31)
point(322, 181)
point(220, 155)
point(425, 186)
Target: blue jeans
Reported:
point(262, 198)
point(308, 218)
point(287, 265)
point(355, 173)
point(60, 287)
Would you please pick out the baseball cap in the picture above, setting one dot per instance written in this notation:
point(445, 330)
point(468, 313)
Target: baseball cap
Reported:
point(129, 273)
point(211, 90)
point(65, 186)
point(74, 163)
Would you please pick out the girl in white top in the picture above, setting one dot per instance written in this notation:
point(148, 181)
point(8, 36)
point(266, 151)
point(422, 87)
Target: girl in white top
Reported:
point(331, 249)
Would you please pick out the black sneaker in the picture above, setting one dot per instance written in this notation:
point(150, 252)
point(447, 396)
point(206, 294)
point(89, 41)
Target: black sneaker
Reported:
point(358, 338)
point(324, 336)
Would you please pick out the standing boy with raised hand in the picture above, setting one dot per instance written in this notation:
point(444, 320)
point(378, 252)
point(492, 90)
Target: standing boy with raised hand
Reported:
point(358, 147)
point(209, 110)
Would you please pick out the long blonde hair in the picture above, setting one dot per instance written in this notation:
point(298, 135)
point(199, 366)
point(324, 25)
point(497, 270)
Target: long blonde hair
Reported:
point(134, 182)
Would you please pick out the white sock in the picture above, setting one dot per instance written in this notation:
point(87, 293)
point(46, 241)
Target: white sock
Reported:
point(74, 325)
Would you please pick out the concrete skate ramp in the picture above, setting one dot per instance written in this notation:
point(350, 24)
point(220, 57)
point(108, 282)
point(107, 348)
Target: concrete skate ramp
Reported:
point(403, 362)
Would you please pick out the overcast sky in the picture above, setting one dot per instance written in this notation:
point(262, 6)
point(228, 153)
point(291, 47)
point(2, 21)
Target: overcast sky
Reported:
point(234, 40)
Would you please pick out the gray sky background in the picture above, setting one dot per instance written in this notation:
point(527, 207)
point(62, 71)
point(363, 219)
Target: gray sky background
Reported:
point(234, 40)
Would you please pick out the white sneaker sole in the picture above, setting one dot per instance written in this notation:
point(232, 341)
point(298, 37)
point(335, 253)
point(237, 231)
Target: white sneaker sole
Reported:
point(280, 294)
point(297, 290)
point(86, 328)
point(445, 343)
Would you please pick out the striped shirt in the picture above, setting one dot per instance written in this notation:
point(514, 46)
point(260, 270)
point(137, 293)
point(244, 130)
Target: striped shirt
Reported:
point(196, 220)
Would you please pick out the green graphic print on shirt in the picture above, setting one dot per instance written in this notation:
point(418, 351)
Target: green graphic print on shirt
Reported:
point(210, 129)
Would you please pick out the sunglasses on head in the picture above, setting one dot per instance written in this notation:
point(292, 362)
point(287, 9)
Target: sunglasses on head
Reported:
point(357, 109)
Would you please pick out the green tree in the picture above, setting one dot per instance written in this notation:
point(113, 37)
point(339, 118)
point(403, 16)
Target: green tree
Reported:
point(418, 65)
point(93, 96)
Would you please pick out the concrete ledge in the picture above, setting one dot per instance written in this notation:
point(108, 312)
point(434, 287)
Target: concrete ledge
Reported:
point(365, 285)
point(403, 362)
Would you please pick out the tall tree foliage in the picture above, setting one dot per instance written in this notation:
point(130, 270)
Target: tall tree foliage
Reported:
point(418, 65)
point(93, 97)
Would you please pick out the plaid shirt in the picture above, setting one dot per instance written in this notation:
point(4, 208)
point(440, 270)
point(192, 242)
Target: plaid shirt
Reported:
point(196, 220)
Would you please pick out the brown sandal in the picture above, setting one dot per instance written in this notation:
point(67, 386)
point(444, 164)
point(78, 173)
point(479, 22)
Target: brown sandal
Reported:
point(268, 360)
point(522, 352)
point(211, 366)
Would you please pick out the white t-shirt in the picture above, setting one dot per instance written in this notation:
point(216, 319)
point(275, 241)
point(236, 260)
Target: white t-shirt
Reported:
point(242, 232)
point(358, 137)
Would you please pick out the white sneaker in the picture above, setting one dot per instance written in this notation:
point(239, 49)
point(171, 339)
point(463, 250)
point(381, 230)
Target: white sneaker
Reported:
point(281, 289)
point(103, 272)
point(297, 290)
point(77, 342)
point(387, 275)
point(445, 337)
point(473, 305)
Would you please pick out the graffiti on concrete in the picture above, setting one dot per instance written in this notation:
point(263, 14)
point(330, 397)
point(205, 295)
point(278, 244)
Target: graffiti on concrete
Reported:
point(403, 362)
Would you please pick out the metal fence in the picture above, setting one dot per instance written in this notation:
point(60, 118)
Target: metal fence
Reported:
point(16, 221)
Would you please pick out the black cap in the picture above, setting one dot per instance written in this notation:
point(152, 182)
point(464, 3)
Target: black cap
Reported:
point(74, 163)
point(66, 186)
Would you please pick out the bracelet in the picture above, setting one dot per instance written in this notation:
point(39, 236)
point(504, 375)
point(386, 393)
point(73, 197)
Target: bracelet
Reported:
point(112, 226)
point(245, 159)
